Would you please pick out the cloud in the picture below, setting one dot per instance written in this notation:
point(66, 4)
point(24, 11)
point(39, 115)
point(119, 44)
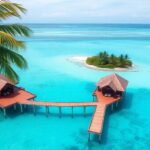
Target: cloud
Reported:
point(86, 10)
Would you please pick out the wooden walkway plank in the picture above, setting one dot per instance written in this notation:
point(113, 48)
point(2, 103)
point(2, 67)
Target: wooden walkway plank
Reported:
point(96, 125)
point(63, 104)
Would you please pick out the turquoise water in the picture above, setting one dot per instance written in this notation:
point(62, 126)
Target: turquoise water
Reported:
point(52, 78)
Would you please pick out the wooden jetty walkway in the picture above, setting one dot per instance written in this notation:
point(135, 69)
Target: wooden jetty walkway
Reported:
point(96, 125)
point(114, 84)
point(58, 104)
point(97, 122)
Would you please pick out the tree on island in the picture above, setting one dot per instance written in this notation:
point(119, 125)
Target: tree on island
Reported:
point(9, 46)
point(104, 60)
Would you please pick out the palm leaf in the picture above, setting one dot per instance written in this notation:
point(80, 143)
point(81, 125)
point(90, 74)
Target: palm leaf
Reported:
point(9, 41)
point(16, 29)
point(12, 57)
point(9, 57)
point(9, 9)
point(8, 71)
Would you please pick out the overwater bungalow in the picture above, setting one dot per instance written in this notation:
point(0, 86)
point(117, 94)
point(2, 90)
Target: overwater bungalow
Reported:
point(112, 85)
point(11, 95)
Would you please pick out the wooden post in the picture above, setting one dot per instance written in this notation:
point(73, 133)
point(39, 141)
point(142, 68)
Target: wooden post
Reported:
point(96, 98)
point(14, 106)
point(34, 110)
point(89, 138)
point(25, 107)
point(84, 111)
point(117, 104)
point(72, 112)
point(47, 111)
point(4, 110)
point(21, 108)
point(112, 107)
point(60, 111)
point(99, 138)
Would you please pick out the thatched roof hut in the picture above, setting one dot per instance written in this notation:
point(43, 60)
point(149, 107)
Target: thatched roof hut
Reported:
point(112, 84)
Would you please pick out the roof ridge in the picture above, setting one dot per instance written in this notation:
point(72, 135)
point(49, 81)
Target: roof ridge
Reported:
point(117, 79)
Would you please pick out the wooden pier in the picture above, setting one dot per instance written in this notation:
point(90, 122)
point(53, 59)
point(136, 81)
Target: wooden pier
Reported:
point(25, 98)
point(109, 92)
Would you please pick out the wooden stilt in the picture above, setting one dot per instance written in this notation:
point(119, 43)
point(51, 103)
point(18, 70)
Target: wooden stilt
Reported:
point(112, 107)
point(117, 104)
point(14, 106)
point(4, 111)
point(34, 110)
point(25, 106)
point(47, 111)
point(72, 112)
point(84, 111)
point(21, 108)
point(99, 138)
point(60, 113)
point(89, 138)
point(96, 98)
point(93, 98)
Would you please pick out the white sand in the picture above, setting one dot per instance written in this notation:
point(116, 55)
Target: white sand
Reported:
point(82, 60)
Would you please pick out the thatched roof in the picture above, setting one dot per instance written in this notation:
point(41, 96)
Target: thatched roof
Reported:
point(4, 81)
point(116, 82)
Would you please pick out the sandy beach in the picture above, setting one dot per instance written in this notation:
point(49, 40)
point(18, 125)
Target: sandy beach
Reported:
point(82, 61)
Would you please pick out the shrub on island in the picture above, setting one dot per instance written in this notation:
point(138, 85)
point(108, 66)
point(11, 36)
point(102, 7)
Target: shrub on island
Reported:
point(104, 60)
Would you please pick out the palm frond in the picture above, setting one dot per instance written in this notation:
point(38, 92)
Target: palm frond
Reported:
point(16, 29)
point(9, 56)
point(8, 71)
point(9, 9)
point(9, 41)
point(12, 57)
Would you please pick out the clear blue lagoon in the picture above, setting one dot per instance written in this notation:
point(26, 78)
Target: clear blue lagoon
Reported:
point(52, 78)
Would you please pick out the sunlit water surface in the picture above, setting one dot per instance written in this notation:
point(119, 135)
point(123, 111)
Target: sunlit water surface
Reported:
point(53, 78)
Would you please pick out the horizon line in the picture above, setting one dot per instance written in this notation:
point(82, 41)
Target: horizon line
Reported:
point(79, 23)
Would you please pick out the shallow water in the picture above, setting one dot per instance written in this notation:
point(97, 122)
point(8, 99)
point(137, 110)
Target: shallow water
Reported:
point(51, 77)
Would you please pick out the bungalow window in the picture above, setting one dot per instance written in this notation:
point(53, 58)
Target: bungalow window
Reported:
point(7, 90)
point(108, 91)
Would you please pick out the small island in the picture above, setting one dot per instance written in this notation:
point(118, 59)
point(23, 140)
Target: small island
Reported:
point(104, 60)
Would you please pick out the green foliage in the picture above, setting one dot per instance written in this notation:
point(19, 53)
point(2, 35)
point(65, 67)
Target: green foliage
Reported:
point(104, 60)
point(10, 9)
point(9, 45)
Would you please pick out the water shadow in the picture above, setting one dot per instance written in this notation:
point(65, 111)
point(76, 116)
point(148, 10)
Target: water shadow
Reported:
point(13, 113)
point(126, 102)
point(72, 148)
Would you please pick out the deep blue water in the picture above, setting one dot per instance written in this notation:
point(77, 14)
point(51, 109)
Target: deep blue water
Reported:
point(53, 78)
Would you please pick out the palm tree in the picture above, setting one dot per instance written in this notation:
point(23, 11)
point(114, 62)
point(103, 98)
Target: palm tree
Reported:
point(112, 59)
point(104, 58)
point(126, 57)
point(122, 61)
point(9, 46)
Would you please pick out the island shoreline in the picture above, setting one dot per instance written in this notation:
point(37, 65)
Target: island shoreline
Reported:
point(82, 61)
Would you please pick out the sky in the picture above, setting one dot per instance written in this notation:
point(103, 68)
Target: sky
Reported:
point(85, 11)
